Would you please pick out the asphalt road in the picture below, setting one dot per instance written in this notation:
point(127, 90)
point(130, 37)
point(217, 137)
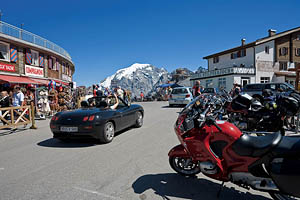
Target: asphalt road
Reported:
point(134, 166)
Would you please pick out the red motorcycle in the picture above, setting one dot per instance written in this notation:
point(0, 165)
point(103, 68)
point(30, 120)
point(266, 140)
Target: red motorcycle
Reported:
point(218, 149)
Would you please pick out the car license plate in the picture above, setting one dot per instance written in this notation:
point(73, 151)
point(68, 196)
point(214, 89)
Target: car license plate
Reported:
point(68, 129)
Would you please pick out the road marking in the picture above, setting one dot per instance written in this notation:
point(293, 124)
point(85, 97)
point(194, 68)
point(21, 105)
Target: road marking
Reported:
point(97, 193)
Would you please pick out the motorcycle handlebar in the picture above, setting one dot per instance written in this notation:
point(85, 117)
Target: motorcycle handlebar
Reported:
point(210, 120)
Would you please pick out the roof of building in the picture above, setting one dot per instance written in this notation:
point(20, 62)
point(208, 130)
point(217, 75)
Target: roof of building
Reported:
point(257, 42)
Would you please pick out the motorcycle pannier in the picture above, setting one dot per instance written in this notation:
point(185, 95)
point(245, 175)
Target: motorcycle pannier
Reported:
point(288, 105)
point(286, 175)
point(241, 102)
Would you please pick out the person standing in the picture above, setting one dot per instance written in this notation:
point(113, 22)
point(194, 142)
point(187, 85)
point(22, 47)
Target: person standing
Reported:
point(4, 102)
point(142, 96)
point(197, 89)
point(18, 97)
point(236, 90)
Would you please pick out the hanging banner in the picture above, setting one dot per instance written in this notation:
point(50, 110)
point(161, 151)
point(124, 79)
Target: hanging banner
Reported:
point(7, 67)
point(34, 71)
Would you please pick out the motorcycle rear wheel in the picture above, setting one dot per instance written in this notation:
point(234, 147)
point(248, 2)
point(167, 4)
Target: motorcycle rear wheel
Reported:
point(179, 165)
point(279, 196)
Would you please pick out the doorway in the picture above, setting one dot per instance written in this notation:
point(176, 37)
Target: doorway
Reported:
point(245, 81)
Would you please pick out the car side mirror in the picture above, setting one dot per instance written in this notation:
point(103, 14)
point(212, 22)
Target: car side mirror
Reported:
point(84, 104)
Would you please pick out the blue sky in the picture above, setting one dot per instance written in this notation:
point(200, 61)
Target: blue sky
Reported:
point(106, 35)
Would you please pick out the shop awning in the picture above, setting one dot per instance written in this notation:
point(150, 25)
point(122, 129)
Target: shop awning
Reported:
point(41, 81)
point(61, 82)
point(18, 79)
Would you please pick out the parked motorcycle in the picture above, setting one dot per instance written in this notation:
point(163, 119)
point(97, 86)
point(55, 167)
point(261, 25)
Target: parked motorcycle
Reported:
point(250, 114)
point(219, 150)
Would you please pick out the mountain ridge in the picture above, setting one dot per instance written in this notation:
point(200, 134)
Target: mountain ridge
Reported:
point(137, 78)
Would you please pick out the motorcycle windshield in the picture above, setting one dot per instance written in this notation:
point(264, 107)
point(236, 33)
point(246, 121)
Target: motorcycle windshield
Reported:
point(200, 100)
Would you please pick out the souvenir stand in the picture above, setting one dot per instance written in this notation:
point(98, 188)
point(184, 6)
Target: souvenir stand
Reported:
point(42, 103)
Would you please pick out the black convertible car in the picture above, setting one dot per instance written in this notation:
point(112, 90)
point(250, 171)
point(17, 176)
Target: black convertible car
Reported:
point(98, 121)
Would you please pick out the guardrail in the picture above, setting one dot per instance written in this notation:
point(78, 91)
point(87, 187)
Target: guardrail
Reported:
point(225, 71)
point(21, 34)
point(15, 116)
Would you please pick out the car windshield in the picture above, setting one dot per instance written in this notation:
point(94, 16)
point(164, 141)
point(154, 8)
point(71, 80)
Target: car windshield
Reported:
point(179, 91)
point(253, 87)
point(290, 86)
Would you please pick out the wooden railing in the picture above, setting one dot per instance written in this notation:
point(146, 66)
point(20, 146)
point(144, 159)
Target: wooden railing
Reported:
point(15, 116)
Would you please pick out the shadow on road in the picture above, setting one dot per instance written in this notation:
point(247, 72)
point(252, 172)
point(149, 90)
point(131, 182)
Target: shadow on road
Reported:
point(172, 107)
point(174, 185)
point(75, 142)
point(8, 131)
point(71, 143)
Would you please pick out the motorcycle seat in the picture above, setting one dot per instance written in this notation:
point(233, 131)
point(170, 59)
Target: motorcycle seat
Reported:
point(256, 146)
point(288, 147)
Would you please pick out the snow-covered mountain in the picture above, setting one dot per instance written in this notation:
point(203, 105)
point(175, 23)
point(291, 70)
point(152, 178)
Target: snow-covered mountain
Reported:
point(137, 78)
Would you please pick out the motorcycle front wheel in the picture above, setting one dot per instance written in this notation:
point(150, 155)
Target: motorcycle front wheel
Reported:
point(184, 166)
point(279, 196)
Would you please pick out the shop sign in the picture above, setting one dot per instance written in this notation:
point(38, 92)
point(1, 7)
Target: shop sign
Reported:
point(66, 78)
point(34, 71)
point(7, 67)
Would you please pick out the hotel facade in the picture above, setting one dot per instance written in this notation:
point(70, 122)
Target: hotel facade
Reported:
point(274, 58)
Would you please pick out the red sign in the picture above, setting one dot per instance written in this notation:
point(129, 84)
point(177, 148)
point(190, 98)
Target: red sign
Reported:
point(7, 67)
point(34, 71)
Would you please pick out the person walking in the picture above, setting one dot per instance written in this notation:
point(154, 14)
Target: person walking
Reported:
point(142, 96)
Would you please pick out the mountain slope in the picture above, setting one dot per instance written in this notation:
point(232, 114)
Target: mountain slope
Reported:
point(137, 78)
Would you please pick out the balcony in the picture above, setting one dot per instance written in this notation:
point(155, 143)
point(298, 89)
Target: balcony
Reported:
point(21, 34)
point(225, 71)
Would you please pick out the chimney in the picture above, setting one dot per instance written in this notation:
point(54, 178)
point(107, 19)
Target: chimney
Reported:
point(271, 32)
point(243, 41)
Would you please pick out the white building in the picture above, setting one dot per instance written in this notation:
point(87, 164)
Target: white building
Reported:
point(264, 60)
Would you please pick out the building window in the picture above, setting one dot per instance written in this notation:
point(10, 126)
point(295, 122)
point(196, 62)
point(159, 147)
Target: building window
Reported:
point(267, 49)
point(34, 58)
point(4, 51)
point(297, 53)
point(234, 55)
point(216, 59)
point(50, 63)
point(63, 68)
point(58, 65)
point(208, 83)
point(243, 53)
point(298, 37)
point(222, 83)
point(282, 66)
point(54, 64)
point(264, 79)
point(283, 51)
point(238, 54)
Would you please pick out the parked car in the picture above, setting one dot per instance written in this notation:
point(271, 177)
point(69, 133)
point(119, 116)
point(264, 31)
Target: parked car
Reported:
point(149, 97)
point(180, 96)
point(256, 89)
point(99, 122)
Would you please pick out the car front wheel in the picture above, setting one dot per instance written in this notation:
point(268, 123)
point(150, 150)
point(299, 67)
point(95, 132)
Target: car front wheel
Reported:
point(108, 133)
